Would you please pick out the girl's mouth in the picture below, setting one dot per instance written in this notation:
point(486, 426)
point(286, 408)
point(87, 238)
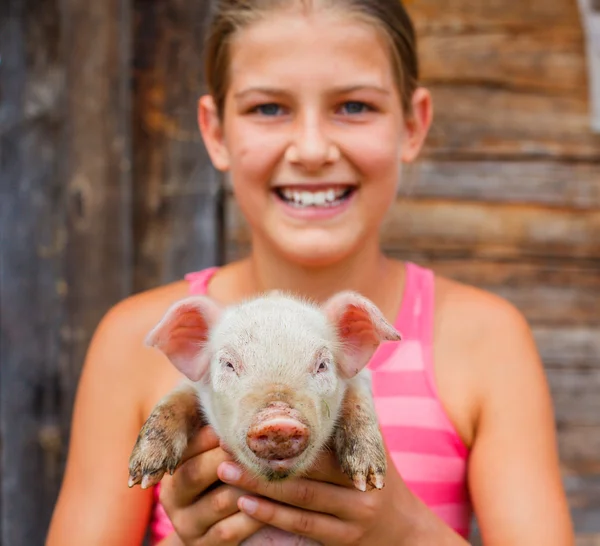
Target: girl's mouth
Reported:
point(321, 198)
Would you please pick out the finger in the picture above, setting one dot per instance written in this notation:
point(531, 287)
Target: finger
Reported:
point(204, 440)
point(309, 494)
point(320, 527)
point(231, 531)
point(196, 519)
point(192, 478)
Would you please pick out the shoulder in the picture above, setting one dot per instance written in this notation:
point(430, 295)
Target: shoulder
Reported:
point(117, 352)
point(485, 353)
point(479, 318)
point(139, 312)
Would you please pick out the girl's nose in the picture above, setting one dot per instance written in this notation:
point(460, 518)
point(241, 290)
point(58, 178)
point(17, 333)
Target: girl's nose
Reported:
point(311, 148)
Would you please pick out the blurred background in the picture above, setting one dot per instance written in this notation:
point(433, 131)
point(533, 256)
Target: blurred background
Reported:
point(106, 190)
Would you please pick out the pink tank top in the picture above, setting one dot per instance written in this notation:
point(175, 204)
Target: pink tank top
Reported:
point(424, 445)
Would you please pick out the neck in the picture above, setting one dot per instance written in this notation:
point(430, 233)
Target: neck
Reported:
point(365, 272)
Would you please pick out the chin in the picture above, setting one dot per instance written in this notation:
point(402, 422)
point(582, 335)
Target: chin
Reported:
point(315, 254)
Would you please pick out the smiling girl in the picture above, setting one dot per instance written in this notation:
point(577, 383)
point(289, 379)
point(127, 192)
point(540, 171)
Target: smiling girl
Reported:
point(313, 108)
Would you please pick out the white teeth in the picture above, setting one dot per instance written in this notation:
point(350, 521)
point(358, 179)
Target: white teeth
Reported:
point(319, 198)
point(308, 199)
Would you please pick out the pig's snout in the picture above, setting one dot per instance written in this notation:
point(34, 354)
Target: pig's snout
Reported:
point(276, 433)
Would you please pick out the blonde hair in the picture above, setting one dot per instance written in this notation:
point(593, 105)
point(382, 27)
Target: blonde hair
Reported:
point(388, 16)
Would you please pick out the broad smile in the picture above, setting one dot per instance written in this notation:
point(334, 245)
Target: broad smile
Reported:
point(315, 201)
point(311, 196)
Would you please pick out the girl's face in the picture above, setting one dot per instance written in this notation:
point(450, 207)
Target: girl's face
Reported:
point(313, 134)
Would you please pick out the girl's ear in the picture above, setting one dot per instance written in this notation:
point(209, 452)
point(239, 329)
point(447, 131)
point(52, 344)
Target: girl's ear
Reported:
point(212, 132)
point(417, 126)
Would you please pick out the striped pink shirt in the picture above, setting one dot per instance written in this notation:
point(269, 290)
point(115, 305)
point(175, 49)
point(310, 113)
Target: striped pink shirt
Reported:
point(428, 452)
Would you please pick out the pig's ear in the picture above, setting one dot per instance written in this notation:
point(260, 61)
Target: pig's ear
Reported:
point(360, 328)
point(182, 334)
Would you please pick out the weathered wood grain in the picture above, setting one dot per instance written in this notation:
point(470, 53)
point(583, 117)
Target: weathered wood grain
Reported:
point(458, 16)
point(32, 238)
point(579, 446)
point(545, 60)
point(492, 230)
point(97, 171)
point(506, 81)
point(478, 121)
point(176, 190)
point(586, 539)
point(575, 394)
point(569, 346)
point(548, 291)
point(555, 183)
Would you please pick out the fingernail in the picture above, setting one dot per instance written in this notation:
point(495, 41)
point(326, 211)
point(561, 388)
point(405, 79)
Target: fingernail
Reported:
point(248, 505)
point(230, 472)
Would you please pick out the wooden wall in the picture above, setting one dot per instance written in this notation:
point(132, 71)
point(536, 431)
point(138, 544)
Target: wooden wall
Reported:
point(105, 190)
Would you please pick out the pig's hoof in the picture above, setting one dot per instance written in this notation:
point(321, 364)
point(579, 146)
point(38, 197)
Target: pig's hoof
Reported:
point(153, 455)
point(363, 460)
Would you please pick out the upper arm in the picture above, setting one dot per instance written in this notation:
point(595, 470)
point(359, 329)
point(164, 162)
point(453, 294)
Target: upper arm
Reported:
point(95, 505)
point(514, 473)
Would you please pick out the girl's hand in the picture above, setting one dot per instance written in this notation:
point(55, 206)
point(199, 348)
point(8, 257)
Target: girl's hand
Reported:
point(203, 512)
point(326, 507)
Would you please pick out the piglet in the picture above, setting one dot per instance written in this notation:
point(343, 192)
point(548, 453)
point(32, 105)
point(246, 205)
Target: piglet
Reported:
point(279, 378)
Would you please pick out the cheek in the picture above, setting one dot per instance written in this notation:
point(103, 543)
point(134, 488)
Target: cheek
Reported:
point(376, 152)
point(255, 151)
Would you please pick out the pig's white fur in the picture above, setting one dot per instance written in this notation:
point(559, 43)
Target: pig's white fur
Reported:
point(273, 342)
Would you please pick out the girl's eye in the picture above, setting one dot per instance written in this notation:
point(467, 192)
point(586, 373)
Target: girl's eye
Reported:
point(270, 109)
point(322, 367)
point(355, 107)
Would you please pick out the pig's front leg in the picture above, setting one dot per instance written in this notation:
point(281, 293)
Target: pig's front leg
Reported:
point(164, 436)
point(358, 443)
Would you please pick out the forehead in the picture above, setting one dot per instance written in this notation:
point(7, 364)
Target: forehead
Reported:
point(318, 48)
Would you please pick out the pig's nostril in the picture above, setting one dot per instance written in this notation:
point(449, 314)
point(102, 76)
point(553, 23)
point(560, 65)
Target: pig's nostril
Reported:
point(263, 438)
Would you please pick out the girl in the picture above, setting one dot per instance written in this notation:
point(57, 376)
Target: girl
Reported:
point(313, 107)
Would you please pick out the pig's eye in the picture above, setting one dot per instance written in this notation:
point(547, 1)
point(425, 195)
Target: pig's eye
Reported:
point(229, 366)
point(322, 367)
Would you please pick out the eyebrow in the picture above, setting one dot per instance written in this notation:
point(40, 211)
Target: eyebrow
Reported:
point(336, 90)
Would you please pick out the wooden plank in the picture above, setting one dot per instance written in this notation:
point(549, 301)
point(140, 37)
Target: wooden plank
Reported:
point(176, 190)
point(583, 492)
point(585, 539)
point(476, 121)
point(575, 395)
point(554, 183)
point(568, 346)
point(542, 60)
point(491, 230)
point(32, 236)
point(459, 16)
point(590, 15)
point(548, 291)
point(579, 446)
point(97, 170)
